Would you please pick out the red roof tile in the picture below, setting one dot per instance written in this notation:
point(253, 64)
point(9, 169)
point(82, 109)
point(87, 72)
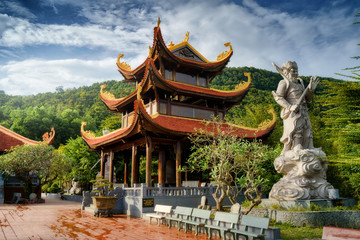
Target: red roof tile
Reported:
point(10, 139)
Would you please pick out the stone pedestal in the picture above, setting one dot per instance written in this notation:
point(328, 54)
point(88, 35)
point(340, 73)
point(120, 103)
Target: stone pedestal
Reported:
point(304, 175)
point(275, 204)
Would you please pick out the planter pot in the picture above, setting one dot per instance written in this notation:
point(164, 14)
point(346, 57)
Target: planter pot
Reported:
point(104, 202)
point(104, 205)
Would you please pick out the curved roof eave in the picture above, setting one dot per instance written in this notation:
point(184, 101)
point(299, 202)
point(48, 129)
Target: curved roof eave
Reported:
point(207, 66)
point(241, 90)
point(114, 104)
point(127, 73)
point(171, 125)
point(12, 139)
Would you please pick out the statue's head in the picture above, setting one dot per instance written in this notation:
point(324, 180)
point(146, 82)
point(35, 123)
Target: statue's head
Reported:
point(290, 69)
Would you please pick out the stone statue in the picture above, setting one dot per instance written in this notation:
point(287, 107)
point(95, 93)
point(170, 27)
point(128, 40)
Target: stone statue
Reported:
point(304, 167)
point(75, 188)
point(292, 96)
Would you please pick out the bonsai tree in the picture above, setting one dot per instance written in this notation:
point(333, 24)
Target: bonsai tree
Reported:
point(233, 164)
point(102, 186)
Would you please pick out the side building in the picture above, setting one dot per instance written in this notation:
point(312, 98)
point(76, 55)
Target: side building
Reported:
point(172, 99)
point(9, 139)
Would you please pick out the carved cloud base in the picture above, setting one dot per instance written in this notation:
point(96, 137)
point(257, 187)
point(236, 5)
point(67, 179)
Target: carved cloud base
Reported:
point(304, 175)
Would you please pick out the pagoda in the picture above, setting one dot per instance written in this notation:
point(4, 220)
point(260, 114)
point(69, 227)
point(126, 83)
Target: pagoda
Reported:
point(172, 98)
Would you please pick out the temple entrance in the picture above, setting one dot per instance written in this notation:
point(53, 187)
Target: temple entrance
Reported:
point(170, 173)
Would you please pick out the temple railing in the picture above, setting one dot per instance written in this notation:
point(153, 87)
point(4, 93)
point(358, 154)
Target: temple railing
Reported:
point(144, 192)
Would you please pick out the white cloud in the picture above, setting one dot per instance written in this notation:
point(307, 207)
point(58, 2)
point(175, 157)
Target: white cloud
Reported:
point(38, 75)
point(19, 32)
point(322, 44)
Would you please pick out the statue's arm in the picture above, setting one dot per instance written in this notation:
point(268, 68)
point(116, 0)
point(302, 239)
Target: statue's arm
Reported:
point(280, 94)
point(314, 81)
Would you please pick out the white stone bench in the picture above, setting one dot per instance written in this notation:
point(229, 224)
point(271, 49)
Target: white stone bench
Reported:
point(160, 213)
point(251, 221)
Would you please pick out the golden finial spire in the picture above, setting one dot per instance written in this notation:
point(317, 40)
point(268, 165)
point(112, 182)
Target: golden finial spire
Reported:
point(186, 37)
point(158, 23)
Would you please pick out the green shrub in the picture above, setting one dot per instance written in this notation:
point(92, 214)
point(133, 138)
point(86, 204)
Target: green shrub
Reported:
point(314, 207)
point(54, 188)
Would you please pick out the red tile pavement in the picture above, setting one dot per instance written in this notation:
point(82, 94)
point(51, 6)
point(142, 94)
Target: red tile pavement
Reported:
point(58, 219)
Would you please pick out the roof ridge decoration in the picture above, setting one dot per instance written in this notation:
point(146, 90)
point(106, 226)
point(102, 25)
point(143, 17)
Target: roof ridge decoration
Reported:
point(268, 123)
point(106, 95)
point(88, 134)
point(225, 54)
point(243, 85)
point(48, 137)
point(186, 37)
point(123, 65)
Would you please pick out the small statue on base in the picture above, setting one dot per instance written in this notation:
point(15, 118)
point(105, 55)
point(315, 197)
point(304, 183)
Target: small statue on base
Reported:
point(304, 167)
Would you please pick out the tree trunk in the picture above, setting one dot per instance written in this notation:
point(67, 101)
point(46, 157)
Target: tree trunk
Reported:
point(27, 187)
point(221, 198)
point(254, 202)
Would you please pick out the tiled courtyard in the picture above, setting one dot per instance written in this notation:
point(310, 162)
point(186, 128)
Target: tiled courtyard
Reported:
point(58, 219)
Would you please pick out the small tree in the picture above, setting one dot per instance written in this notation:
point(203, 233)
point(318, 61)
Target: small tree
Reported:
point(26, 161)
point(234, 164)
point(83, 162)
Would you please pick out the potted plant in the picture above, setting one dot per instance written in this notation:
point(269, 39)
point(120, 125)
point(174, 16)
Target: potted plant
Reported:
point(103, 202)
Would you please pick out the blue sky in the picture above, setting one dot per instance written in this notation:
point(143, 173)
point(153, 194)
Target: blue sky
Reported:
point(49, 43)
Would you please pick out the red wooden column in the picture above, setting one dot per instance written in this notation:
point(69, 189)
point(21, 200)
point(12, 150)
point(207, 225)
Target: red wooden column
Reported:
point(126, 160)
point(148, 160)
point(161, 166)
point(134, 166)
point(102, 164)
point(178, 163)
point(111, 164)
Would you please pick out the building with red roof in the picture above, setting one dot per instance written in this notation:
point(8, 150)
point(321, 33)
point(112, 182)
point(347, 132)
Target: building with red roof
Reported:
point(171, 99)
point(9, 139)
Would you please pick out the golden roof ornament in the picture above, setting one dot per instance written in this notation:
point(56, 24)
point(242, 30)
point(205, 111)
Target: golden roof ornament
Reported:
point(123, 65)
point(186, 37)
point(171, 44)
point(106, 95)
point(268, 123)
point(150, 51)
point(158, 22)
point(225, 54)
point(243, 85)
point(48, 136)
point(138, 92)
point(87, 134)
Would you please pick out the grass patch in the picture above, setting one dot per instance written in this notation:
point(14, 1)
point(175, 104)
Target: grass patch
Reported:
point(313, 207)
point(289, 232)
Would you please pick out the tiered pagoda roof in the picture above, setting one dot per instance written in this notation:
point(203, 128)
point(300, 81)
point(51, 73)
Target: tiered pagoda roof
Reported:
point(150, 77)
point(9, 139)
point(233, 97)
point(176, 126)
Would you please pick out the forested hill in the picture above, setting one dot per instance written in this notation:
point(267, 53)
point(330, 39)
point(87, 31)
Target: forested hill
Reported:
point(64, 110)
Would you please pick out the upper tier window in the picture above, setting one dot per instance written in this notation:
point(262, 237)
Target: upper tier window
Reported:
point(202, 82)
point(186, 78)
